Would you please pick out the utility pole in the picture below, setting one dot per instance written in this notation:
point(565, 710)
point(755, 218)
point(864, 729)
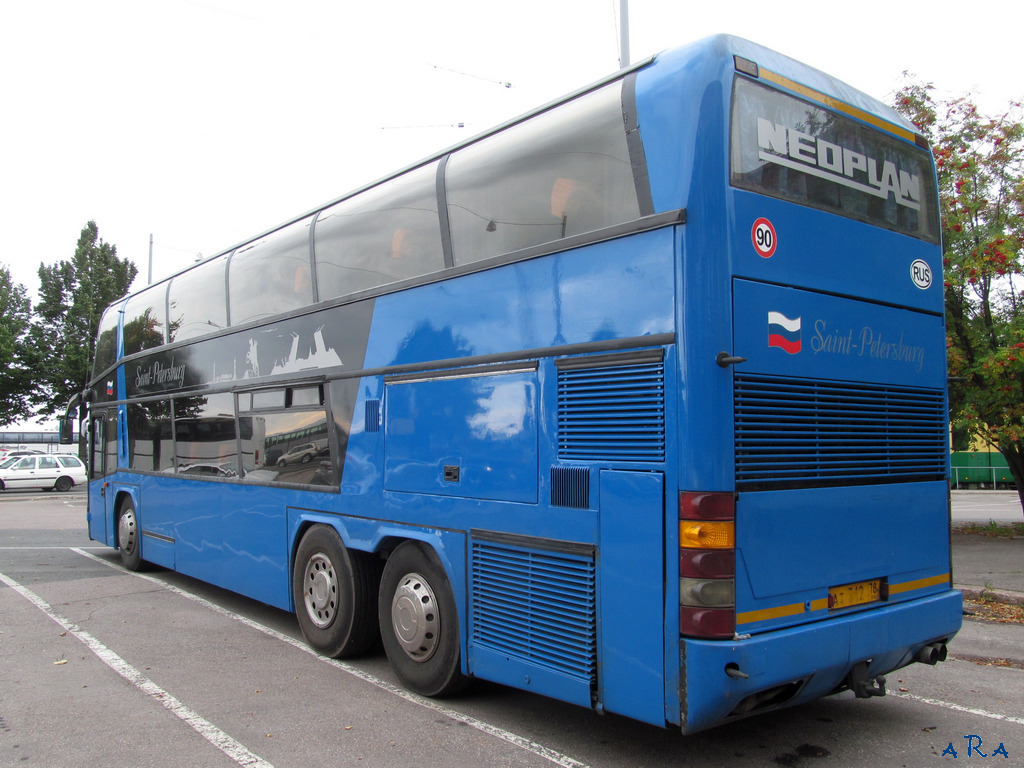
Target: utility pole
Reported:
point(150, 281)
point(623, 34)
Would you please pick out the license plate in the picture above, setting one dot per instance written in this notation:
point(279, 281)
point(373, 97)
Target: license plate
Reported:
point(850, 595)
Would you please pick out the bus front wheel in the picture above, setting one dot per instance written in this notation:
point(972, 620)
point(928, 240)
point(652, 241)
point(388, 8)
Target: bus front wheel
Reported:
point(128, 536)
point(334, 590)
point(419, 623)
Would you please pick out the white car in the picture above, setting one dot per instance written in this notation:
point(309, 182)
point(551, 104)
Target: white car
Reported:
point(300, 454)
point(58, 472)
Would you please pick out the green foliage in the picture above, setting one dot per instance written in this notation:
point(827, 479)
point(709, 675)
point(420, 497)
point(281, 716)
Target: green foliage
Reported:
point(73, 295)
point(980, 163)
point(15, 372)
point(993, 530)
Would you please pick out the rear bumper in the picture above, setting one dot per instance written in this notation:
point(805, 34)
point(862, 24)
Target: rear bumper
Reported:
point(799, 664)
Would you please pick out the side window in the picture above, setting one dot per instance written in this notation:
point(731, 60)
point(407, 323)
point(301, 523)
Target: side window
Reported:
point(69, 462)
point(149, 436)
point(47, 462)
point(271, 275)
point(387, 233)
point(198, 301)
point(96, 446)
point(28, 463)
point(205, 439)
point(287, 442)
point(145, 319)
point(106, 340)
point(110, 444)
point(563, 172)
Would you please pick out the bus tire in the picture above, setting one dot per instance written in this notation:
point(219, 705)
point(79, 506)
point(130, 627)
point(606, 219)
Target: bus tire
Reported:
point(419, 624)
point(334, 590)
point(129, 536)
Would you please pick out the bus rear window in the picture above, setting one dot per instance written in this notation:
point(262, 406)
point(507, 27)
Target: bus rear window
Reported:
point(796, 150)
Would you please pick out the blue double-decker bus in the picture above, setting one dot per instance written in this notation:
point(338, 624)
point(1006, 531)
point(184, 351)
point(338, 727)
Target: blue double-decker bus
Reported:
point(637, 401)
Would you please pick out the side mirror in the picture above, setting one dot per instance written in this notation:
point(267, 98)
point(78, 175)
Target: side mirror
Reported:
point(67, 430)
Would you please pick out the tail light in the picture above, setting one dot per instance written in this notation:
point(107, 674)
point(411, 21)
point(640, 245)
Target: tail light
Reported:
point(707, 564)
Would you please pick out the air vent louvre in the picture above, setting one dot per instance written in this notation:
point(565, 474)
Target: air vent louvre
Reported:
point(612, 412)
point(538, 606)
point(570, 487)
point(372, 416)
point(808, 433)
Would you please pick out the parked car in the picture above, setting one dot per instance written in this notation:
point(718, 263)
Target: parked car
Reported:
point(61, 472)
point(207, 470)
point(299, 454)
point(5, 455)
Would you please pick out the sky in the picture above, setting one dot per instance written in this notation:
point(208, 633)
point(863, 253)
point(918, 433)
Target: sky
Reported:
point(205, 122)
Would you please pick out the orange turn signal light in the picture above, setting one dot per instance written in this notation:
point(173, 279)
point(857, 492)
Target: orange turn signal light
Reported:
point(707, 534)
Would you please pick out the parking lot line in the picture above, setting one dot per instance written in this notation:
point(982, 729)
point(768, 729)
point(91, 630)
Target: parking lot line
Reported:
point(564, 761)
point(233, 749)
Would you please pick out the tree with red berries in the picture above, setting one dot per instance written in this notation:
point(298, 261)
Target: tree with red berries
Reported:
point(980, 163)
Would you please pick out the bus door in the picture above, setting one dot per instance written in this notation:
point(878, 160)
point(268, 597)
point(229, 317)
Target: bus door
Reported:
point(102, 463)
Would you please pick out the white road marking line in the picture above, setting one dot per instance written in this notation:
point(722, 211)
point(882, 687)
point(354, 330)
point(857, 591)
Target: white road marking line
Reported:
point(492, 730)
point(961, 708)
point(204, 728)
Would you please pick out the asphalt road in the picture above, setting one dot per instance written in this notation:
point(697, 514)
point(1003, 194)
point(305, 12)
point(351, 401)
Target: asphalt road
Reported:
point(986, 506)
point(101, 667)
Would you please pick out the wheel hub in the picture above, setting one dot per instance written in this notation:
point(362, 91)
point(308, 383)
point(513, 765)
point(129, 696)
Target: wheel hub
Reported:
point(321, 593)
point(414, 617)
point(126, 531)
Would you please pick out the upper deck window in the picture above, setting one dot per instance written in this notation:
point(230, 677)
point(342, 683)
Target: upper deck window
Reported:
point(563, 172)
point(796, 150)
point(385, 234)
point(270, 275)
point(198, 301)
point(106, 340)
point(145, 318)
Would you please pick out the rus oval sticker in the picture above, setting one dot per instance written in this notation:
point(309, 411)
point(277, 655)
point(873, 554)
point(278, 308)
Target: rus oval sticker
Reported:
point(921, 274)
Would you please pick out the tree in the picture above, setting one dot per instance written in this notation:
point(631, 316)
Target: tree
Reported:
point(73, 295)
point(15, 373)
point(980, 163)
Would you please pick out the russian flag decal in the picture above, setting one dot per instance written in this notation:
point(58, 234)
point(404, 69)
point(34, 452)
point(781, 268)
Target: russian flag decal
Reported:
point(783, 332)
point(110, 387)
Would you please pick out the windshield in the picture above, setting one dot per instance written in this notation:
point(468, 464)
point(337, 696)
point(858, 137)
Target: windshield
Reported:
point(799, 151)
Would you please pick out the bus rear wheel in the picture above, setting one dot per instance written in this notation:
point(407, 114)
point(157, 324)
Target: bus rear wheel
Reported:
point(419, 624)
point(334, 590)
point(128, 536)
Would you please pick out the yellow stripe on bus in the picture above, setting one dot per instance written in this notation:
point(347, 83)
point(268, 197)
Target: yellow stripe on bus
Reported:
point(749, 617)
point(782, 611)
point(840, 106)
point(909, 586)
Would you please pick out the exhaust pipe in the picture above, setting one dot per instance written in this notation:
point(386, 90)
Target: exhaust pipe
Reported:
point(932, 654)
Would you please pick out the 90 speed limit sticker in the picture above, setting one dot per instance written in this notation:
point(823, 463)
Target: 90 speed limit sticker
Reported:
point(762, 234)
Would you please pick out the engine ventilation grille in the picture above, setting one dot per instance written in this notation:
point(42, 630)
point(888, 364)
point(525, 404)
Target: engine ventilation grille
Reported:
point(536, 605)
point(807, 433)
point(612, 407)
